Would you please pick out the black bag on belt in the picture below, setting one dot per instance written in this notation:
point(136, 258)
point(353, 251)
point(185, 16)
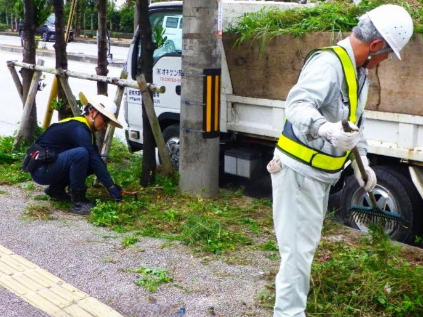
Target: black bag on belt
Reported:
point(37, 155)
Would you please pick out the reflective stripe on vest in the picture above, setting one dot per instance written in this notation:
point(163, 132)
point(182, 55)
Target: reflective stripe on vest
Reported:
point(291, 146)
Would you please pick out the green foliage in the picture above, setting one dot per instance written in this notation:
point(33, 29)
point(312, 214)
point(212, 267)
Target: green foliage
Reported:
point(209, 234)
point(113, 215)
point(158, 36)
point(129, 240)
point(58, 104)
point(127, 18)
point(10, 163)
point(270, 246)
point(152, 278)
point(42, 10)
point(332, 16)
point(369, 279)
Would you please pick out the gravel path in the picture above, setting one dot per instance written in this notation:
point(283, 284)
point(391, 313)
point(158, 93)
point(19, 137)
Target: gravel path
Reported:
point(93, 260)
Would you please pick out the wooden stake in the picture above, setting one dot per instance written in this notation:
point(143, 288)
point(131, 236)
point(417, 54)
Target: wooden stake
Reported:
point(111, 129)
point(16, 79)
point(155, 127)
point(29, 102)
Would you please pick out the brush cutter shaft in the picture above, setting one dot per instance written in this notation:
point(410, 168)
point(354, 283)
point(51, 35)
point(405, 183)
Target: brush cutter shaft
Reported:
point(360, 164)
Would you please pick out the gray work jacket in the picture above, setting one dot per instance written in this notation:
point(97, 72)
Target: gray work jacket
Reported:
point(321, 95)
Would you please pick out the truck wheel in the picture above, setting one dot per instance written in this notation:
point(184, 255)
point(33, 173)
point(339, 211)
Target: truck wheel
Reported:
point(45, 37)
point(172, 140)
point(394, 191)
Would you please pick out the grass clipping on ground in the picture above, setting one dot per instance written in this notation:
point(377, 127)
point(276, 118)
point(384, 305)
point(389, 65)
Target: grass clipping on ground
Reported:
point(352, 274)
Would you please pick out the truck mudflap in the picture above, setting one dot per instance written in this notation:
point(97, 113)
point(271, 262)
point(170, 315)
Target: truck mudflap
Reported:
point(416, 173)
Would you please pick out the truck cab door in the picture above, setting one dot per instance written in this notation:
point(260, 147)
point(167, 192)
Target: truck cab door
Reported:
point(166, 72)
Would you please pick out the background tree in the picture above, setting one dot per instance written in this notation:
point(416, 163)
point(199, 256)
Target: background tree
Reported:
point(127, 21)
point(7, 15)
point(146, 65)
point(34, 13)
point(102, 44)
point(61, 56)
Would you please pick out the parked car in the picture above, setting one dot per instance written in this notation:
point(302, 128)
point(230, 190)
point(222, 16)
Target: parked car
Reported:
point(47, 31)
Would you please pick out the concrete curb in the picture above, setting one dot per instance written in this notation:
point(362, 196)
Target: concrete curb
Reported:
point(72, 57)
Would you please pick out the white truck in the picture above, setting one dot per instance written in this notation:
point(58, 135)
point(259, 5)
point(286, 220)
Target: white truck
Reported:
point(254, 87)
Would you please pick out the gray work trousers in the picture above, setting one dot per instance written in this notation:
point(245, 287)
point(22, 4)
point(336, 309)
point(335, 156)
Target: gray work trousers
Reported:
point(299, 207)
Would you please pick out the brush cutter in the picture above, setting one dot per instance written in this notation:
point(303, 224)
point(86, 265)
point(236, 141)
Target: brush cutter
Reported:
point(372, 214)
point(134, 194)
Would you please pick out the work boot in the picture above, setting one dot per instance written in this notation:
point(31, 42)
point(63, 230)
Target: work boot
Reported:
point(80, 204)
point(57, 193)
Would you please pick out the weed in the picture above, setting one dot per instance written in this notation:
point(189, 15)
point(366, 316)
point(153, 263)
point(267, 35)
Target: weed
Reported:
point(10, 161)
point(115, 215)
point(38, 212)
point(152, 278)
point(209, 234)
point(273, 256)
point(129, 240)
point(269, 246)
point(360, 277)
point(29, 186)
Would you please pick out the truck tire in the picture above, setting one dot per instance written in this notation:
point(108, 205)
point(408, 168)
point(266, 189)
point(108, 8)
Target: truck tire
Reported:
point(172, 141)
point(396, 192)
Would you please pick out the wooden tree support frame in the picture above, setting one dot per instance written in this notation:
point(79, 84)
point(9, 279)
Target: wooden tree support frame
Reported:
point(121, 83)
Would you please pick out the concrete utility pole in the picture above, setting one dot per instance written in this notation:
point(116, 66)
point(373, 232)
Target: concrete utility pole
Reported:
point(200, 99)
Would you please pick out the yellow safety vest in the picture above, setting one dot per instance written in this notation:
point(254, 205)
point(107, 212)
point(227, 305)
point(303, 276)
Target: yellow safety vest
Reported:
point(290, 145)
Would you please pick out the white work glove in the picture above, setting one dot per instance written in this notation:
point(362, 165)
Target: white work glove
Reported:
point(334, 133)
point(371, 176)
point(274, 165)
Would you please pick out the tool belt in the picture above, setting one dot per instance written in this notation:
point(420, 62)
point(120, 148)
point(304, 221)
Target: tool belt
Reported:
point(36, 156)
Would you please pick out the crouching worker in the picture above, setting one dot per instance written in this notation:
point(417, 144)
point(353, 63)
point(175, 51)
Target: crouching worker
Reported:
point(66, 154)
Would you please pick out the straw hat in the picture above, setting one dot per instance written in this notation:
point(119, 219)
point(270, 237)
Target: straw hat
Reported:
point(104, 105)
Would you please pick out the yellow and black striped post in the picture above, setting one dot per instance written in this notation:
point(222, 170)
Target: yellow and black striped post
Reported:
point(211, 112)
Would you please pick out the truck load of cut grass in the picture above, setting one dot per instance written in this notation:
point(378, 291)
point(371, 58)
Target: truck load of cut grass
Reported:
point(330, 16)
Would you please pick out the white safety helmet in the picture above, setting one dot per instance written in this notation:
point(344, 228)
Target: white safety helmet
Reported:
point(104, 105)
point(395, 25)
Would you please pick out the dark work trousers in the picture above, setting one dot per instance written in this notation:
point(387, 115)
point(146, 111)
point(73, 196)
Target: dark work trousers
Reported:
point(70, 168)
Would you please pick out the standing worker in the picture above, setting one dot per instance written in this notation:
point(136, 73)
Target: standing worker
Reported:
point(313, 148)
point(66, 154)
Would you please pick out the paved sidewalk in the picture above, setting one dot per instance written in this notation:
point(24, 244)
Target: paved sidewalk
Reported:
point(90, 265)
point(45, 291)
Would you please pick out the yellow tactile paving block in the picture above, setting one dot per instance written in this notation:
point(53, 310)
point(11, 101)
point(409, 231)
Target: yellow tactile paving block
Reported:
point(97, 308)
point(4, 251)
point(76, 311)
point(47, 292)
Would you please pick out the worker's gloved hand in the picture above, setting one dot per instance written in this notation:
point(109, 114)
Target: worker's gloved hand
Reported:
point(371, 176)
point(116, 192)
point(334, 133)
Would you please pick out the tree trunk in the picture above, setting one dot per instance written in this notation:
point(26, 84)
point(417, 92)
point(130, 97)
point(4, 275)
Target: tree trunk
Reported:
point(199, 161)
point(61, 55)
point(102, 63)
point(28, 56)
point(77, 23)
point(147, 49)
